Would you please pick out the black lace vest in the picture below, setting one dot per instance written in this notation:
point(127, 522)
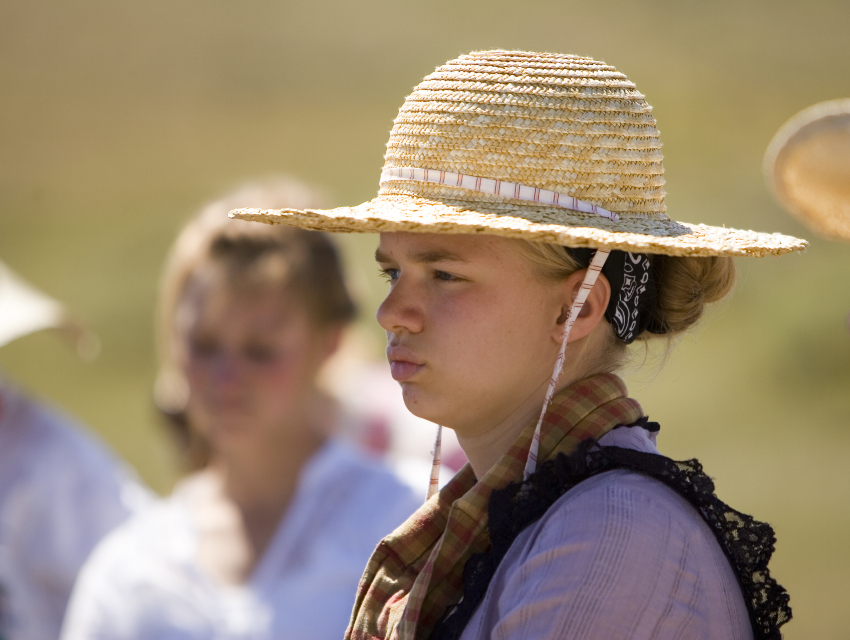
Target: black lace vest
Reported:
point(747, 543)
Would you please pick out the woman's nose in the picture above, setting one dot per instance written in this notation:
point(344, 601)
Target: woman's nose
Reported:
point(226, 369)
point(402, 310)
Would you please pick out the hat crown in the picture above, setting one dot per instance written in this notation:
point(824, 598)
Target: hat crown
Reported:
point(557, 122)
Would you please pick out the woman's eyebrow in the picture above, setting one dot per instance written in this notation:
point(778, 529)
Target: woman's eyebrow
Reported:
point(380, 256)
point(437, 255)
point(424, 257)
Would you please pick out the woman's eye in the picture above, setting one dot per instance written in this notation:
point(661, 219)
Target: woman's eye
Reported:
point(201, 348)
point(445, 277)
point(390, 275)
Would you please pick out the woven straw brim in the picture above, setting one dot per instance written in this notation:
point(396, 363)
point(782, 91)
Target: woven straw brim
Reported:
point(808, 167)
point(570, 127)
point(537, 223)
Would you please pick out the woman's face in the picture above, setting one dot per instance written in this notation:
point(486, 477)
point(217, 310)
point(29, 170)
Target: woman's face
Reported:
point(250, 359)
point(469, 327)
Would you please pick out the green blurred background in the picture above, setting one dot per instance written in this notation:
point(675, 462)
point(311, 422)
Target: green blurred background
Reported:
point(119, 119)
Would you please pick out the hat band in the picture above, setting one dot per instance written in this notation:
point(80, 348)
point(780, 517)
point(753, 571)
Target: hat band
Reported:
point(494, 187)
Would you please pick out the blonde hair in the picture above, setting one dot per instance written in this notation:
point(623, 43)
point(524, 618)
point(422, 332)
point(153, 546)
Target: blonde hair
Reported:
point(686, 285)
point(245, 255)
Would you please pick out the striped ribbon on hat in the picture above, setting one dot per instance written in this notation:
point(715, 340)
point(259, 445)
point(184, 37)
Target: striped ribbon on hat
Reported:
point(494, 187)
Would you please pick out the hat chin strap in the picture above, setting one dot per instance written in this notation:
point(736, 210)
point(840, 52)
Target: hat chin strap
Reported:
point(593, 271)
point(590, 278)
point(434, 485)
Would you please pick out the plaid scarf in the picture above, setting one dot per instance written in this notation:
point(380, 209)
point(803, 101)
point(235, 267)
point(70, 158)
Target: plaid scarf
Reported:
point(417, 571)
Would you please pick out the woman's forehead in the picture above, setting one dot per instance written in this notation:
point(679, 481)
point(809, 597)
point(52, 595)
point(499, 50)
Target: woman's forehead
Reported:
point(212, 303)
point(441, 247)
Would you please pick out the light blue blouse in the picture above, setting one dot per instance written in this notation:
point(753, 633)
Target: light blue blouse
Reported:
point(619, 556)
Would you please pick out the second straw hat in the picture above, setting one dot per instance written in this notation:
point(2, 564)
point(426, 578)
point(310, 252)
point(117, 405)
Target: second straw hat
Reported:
point(807, 164)
point(543, 146)
point(24, 310)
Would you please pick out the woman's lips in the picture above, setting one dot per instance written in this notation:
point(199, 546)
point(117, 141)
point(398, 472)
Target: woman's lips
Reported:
point(402, 370)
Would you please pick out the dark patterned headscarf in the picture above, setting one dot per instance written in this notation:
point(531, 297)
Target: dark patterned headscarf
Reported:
point(634, 292)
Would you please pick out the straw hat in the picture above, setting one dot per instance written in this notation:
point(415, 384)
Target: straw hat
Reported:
point(807, 164)
point(24, 310)
point(548, 147)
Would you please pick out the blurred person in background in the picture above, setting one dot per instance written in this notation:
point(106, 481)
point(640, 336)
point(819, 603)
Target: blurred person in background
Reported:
point(268, 536)
point(61, 490)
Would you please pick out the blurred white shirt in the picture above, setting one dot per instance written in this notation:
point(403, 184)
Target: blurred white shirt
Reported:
point(61, 491)
point(143, 581)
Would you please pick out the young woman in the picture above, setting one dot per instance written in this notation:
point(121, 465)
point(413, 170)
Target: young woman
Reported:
point(268, 537)
point(523, 227)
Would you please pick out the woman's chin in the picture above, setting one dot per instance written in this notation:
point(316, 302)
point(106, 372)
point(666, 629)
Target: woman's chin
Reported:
point(423, 405)
point(232, 437)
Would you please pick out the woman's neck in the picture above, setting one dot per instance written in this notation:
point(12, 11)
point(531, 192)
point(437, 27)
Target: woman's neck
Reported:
point(247, 492)
point(484, 449)
point(263, 478)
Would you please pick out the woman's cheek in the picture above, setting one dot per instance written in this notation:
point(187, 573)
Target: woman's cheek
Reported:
point(276, 377)
point(197, 376)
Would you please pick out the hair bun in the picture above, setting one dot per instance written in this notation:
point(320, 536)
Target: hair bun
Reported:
point(687, 284)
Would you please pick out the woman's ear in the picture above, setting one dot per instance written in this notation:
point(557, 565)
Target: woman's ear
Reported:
point(592, 311)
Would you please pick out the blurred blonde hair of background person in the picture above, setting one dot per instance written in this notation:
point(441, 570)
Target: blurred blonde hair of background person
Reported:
point(61, 489)
point(189, 252)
